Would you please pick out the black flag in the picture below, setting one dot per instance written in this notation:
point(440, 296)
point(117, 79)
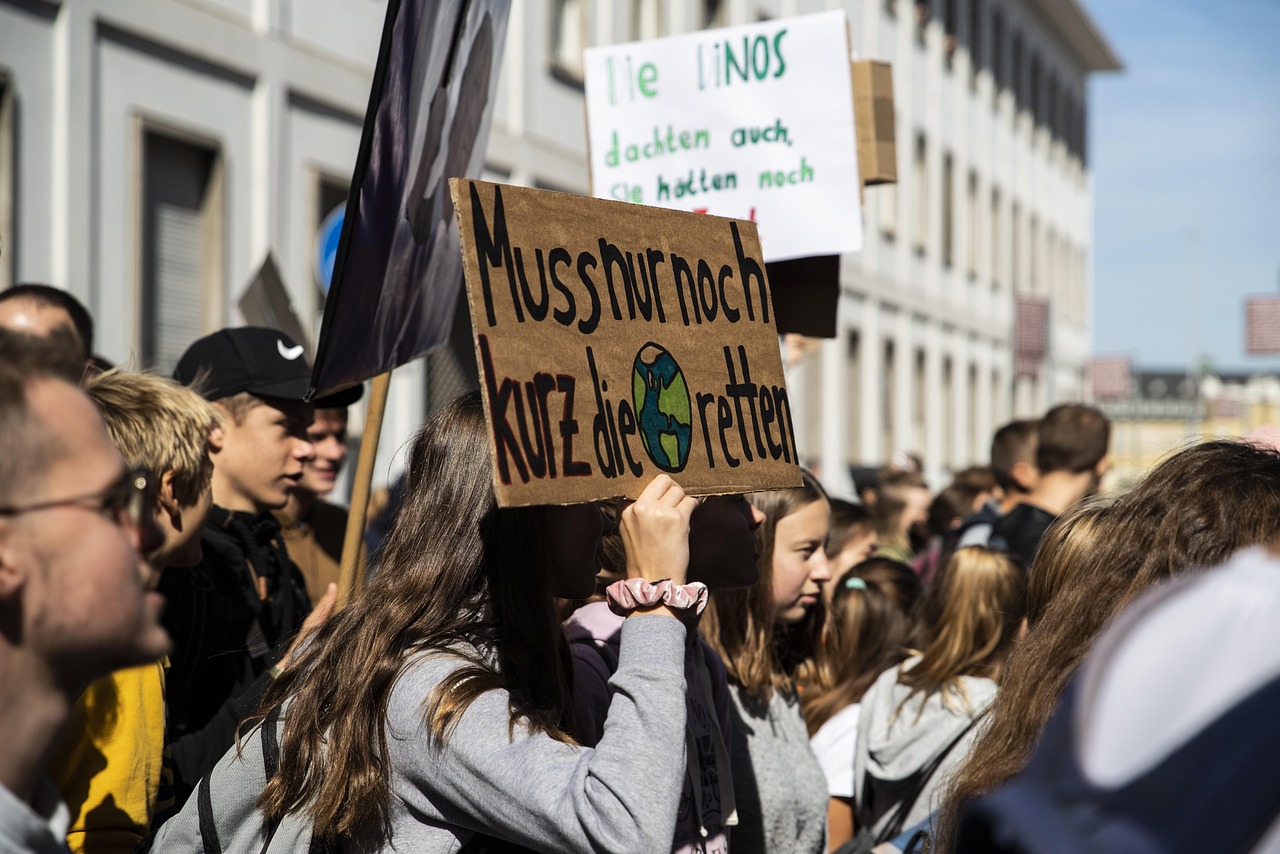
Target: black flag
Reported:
point(398, 269)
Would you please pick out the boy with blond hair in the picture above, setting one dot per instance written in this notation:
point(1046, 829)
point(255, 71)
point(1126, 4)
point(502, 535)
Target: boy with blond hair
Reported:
point(108, 766)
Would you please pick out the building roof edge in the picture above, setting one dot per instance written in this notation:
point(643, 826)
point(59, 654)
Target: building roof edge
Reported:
point(1081, 34)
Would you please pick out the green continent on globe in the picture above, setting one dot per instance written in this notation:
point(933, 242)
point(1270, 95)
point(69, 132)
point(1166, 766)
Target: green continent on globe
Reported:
point(663, 409)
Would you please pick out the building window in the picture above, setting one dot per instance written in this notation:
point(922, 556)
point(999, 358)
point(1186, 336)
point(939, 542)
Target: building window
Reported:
point(1052, 277)
point(997, 246)
point(948, 413)
point(888, 399)
point(975, 451)
point(1033, 242)
point(887, 199)
point(976, 60)
point(7, 170)
point(646, 19)
point(182, 246)
point(1072, 129)
point(975, 226)
point(715, 13)
point(922, 21)
point(948, 211)
point(1034, 101)
point(1016, 77)
point(853, 397)
point(1051, 109)
point(951, 29)
point(331, 195)
point(920, 174)
point(568, 38)
point(919, 401)
point(1015, 240)
point(1082, 137)
point(997, 51)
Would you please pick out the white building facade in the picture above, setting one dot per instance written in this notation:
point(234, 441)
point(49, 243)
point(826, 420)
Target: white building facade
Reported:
point(153, 151)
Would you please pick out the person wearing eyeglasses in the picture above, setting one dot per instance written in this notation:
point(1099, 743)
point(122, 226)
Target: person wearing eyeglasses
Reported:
point(75, 602)
point(110, 763)
point(236, 614)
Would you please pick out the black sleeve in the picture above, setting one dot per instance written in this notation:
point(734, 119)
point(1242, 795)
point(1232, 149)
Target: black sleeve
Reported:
point(196, 753)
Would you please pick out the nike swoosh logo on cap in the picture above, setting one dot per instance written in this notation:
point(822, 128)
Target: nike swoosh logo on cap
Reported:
point(289, 353)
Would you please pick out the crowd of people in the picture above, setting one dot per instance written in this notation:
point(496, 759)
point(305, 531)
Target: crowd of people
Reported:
point(981, 668)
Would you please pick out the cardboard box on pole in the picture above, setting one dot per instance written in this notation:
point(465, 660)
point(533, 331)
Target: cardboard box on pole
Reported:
point(617, 341)
point(874, 121)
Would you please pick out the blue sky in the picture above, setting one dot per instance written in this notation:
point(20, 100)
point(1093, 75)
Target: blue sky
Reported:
point(1185, 140)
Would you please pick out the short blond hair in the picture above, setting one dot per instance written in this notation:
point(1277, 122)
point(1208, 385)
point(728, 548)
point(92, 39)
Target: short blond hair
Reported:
point(158, 425)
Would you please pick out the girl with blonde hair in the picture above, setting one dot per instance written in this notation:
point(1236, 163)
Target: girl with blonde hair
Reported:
point(917, 719)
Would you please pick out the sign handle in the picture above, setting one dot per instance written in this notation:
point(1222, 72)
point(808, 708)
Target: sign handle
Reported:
point(352, 569)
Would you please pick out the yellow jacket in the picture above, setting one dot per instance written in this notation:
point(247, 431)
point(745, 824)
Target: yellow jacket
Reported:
point(108, 764)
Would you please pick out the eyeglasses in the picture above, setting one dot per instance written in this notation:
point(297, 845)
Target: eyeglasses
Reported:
point(127, 500)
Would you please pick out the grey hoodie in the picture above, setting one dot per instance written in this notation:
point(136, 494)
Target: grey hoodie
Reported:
point(896, 741)
point(525, 788)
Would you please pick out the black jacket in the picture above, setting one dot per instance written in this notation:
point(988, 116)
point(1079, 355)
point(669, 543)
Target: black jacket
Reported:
point(1021, 530)
point(226, 636)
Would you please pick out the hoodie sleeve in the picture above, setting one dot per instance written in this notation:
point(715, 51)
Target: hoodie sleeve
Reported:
point(590, 691)
point(620, 796)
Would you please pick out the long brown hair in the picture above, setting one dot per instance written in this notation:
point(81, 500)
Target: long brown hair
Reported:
point(1072, 538)
point(739, 624)
point(459, 575)
point(867, 630)
point(974, 607)
point(1193, 510)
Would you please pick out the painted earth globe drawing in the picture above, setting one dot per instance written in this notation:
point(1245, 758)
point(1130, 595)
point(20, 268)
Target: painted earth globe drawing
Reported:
point(663, 410)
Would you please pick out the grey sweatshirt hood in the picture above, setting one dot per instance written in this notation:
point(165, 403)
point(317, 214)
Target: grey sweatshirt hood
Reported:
point(896, 742)
point(902, 739)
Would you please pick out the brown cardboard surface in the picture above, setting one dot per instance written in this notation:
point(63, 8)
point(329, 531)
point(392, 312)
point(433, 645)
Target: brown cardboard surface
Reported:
point(585, 311)
point(874, 122)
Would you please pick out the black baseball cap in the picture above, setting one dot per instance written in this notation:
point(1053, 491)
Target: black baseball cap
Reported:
point(254, 359)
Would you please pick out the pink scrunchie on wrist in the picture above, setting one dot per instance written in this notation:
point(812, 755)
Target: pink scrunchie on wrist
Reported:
point(634, 593)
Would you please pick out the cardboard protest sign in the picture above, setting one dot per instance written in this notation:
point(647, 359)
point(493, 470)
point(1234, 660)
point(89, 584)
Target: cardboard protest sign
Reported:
point(617, 341)
point(397, 272)
point(753, 122)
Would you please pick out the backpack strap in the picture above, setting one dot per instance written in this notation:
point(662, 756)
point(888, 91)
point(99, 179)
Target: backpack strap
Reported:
point(208, 830)
point(909, 798)
point(270, 738)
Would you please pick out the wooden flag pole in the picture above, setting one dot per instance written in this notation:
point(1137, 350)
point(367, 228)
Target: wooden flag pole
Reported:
point(351, 572)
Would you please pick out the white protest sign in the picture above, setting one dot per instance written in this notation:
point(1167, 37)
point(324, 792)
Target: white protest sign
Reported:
point(752, 122)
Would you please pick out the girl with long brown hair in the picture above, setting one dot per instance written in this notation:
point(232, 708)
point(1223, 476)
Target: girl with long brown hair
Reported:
point(780, 789)
point(917, 718)
point(1193, 510)
point(437, 705)
point(869, 624)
